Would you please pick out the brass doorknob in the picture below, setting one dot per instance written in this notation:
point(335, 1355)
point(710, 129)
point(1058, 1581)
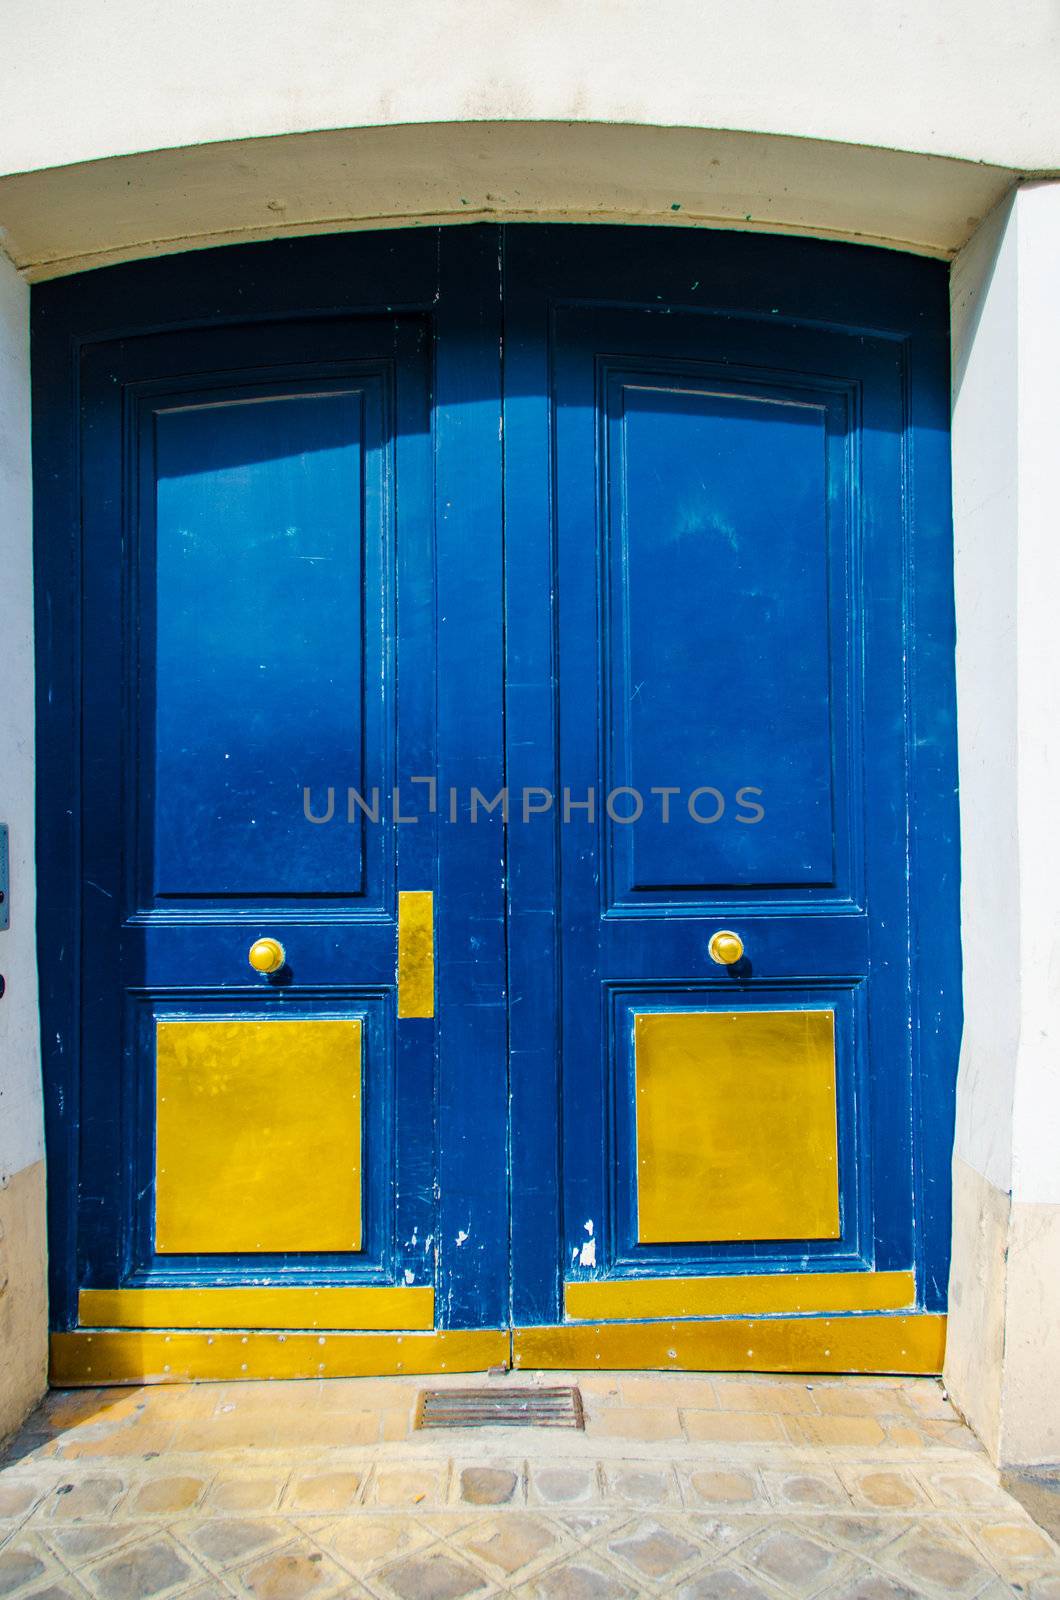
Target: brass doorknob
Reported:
point(267, 955)
point(725, 947)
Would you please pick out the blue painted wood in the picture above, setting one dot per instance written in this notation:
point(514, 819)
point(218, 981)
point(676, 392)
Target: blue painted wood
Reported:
point(684, 529)
point(473, 1269)
point(289, 424)
point(259, 653)
point(249, 674)
point(691, 514)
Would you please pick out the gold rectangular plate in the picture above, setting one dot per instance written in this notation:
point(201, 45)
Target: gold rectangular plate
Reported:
point(763, 1294)
point(914, 1344)
point(415, 953)
point(85, 1359)
point(736, 1126)
point(258, 1136)
point(367, 1307)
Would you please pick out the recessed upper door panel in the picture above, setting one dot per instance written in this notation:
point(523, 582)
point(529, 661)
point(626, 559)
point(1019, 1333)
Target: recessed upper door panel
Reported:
point(263, 639)
point(727, 531)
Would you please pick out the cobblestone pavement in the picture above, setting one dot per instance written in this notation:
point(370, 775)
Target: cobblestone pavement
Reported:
point(719, 1488)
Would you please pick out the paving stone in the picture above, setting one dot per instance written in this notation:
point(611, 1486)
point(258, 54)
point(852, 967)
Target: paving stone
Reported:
point(324, 1491)
point(779, 1398)
point(149, 1568)
point(24, 1448)
point(599, 1389)
point(863, 1431)
point(226, 1540)
point(84, 1541)
point(19, 1565)
point(138, 1437)
point(436, 1575)
point(164, 1496)
point(857, 1400)
point(68, 1408)
point(667, 1390)
point(312, 1430)
point(954, 1435)
point(564, 1485)
point(362, 1541)
point(732, 1427)
point(724, 1488)
point(1014, 1539)
point(63, 1589)
point(965, 1489)
point(576, 1580)
point(889, 1491)
point(723, 1583)
point(791, 1559)
point(807, 1489)
point(85, 1497)
point(926, 1398)
point(487, 1486)
point(904, 1436)
point(510, 1542)
point(18, 1498)
point(408, 1486)
point(723, 1533)
point(642, 1486)
point(931, 1557)
point(654, 1551)
point(580, 1525)
point(289, 1574)
point(861, 1532)
point(869, 1584)
point(629, 1422)
point(245, 1494)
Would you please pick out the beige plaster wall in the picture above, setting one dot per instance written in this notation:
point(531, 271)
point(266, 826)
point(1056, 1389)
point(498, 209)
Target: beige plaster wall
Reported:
point(23, 1308)
point(23, 1295)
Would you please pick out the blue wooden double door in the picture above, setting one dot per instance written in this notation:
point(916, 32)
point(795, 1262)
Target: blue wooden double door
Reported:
point(499, 796)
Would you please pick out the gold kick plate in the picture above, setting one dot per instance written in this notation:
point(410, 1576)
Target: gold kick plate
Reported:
point(415, 953)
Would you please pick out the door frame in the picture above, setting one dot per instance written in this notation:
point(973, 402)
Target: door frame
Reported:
point(492, 488)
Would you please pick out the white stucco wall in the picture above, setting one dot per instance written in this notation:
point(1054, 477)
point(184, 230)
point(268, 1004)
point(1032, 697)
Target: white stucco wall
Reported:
point(130, 130)
point(936, 76)
point(1003, 1359)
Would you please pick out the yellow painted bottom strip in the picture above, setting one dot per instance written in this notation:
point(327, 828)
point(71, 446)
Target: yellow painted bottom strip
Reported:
point(760, 1295)
point(913, 1344)
point(83, 1359)
point(364, 1308)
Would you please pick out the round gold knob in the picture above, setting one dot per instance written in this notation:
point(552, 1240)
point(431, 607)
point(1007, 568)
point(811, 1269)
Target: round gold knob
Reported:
point(267, 955)
point(725, 947)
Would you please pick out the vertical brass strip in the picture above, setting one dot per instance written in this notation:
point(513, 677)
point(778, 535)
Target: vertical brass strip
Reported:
point(416, 953)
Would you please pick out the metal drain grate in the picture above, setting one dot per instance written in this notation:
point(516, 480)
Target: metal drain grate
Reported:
point(500, 1408)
